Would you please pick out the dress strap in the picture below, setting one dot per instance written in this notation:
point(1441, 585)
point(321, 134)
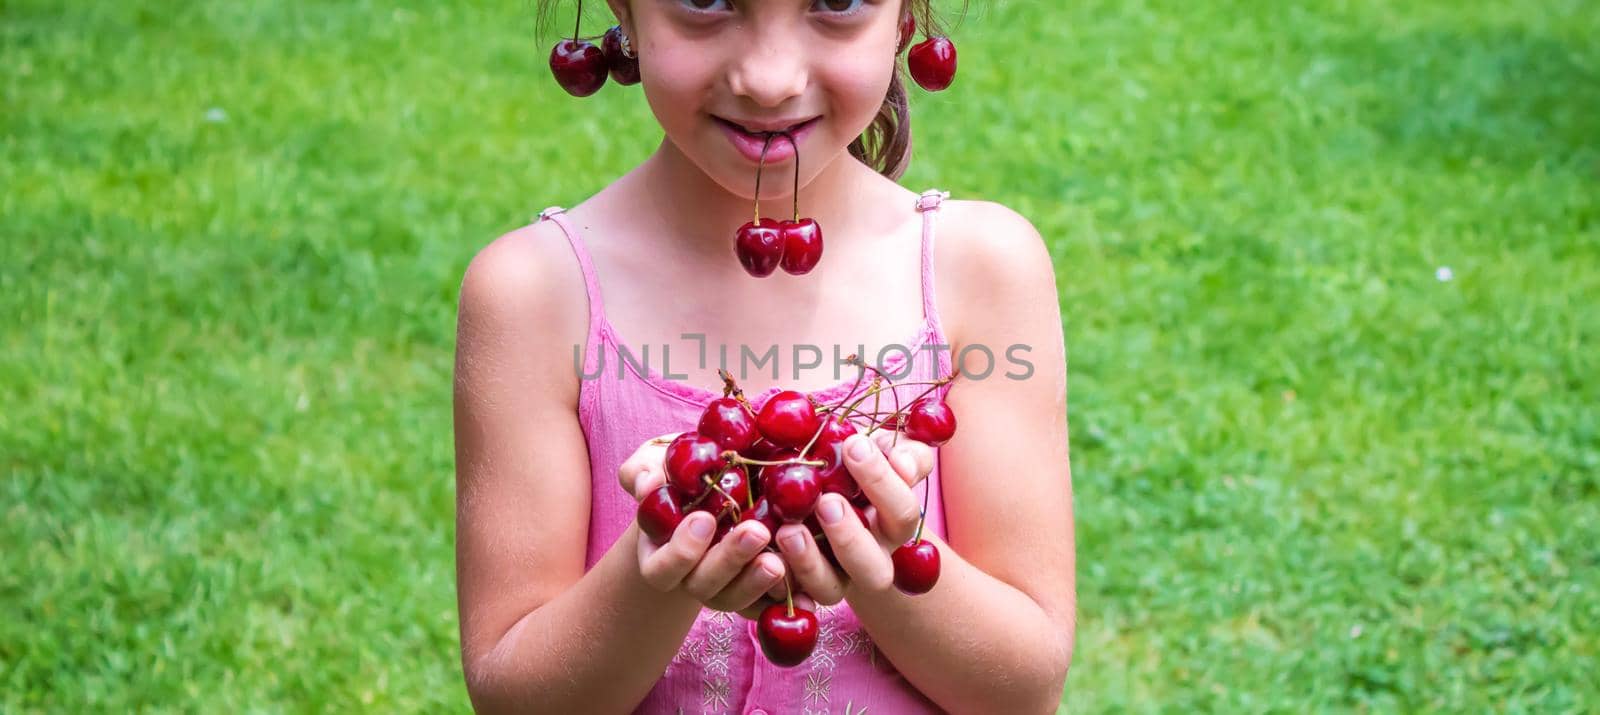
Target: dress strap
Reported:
point(928, 205)
point(591, 282)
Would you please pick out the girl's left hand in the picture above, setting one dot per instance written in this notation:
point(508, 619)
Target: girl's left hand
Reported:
point(887, 466)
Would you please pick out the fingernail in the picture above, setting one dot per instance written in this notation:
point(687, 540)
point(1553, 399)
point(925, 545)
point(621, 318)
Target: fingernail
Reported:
point(794, 543)
point(701, 527)
point(859, 448)
point(830, 510)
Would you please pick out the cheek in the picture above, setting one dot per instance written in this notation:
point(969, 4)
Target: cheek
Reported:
point(676, 83)
point(858, 83)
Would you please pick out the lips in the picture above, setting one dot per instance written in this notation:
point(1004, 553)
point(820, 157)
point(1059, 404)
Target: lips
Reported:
point(748, 144)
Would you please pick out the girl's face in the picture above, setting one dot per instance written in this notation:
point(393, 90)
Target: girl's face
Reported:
point(709, 67)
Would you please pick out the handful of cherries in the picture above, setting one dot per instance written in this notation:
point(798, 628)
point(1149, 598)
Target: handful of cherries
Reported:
point(771, 463)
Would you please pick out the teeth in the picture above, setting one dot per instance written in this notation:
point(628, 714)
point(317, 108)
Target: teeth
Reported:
point(748, 130)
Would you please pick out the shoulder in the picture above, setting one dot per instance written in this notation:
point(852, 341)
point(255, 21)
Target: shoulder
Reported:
point(989, 254)
point(523, 299)
point(528, 272)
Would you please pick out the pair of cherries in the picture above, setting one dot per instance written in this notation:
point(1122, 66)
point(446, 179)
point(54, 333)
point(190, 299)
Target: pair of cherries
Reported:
point(796, 452)
point(581, 68)
point(763, 245)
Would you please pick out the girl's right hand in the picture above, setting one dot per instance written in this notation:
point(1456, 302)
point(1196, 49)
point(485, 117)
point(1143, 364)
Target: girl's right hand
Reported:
point(732, 575)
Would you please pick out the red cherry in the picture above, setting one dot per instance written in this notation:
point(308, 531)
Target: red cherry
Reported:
point(802, 245)
point(829, 448)
point(764, 478)
point(908, 31)
point(723, 527)
point(730, 423)
point(933, 63)
point(930, 420)
point(659, 515)
point(579, 67)
point(759, 246)
point(788, 419)
point(916, 567)
point(763, 513)
point(736, 483)
point(787, 637)
point(624, 69)
point(793, 490)
point(838, 480)
point(691, 457)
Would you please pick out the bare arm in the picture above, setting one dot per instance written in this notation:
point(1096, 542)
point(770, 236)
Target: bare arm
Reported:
point(537, 633)
point(996, 633)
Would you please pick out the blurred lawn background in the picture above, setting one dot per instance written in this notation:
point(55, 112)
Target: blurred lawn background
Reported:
point(1314, 469)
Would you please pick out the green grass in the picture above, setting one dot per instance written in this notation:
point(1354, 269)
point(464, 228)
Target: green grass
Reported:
point(1309, 474)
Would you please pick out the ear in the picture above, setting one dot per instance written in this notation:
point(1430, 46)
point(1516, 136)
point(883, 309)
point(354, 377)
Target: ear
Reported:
point(619, 8)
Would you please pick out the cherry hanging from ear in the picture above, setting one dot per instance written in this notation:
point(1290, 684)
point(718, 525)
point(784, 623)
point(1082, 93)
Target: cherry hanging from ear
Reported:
point(802, 237)
point(579, 66)
point(933, 63)
point(759, 244)
point(624, 68)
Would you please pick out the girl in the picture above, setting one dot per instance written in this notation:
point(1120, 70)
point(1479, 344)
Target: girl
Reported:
point(564, 606)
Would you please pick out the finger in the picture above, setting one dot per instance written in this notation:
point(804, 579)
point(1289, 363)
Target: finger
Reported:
point(726, 560)
point(777, 591)
point(766, 570)
point(666, 567)
point(803, 601)
point(856, 547)
point(753, 611)
point(811, 571)
point(648, 481)
point(883, 486)
point(911, 459)
point(648, 457)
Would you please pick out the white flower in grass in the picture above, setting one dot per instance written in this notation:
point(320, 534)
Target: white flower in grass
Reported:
point(1444, 274)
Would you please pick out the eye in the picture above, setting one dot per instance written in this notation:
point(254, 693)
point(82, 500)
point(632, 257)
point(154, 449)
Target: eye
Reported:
point(843, 8)
point(705, 5)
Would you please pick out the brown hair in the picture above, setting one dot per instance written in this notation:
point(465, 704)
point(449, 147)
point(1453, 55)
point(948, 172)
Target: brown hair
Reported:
point(885, 145)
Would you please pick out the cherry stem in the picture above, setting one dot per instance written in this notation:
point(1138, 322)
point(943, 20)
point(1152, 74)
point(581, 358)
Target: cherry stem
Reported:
point(788, 594)
point(727, 498)
point(729, 387)
point(876, 385)
point(796, 146)
point(807, 449)
point(762, 162)
point(859, 375)
point(922, 518)
point(848, 411)
point(932, 385)
point(577, 22)
point(737, 458)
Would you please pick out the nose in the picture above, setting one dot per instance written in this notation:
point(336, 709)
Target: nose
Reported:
point(770, 70)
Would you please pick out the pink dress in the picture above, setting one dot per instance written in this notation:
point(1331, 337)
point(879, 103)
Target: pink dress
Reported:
point(720, 667)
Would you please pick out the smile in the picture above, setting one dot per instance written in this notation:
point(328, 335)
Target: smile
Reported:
point(748, 143)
